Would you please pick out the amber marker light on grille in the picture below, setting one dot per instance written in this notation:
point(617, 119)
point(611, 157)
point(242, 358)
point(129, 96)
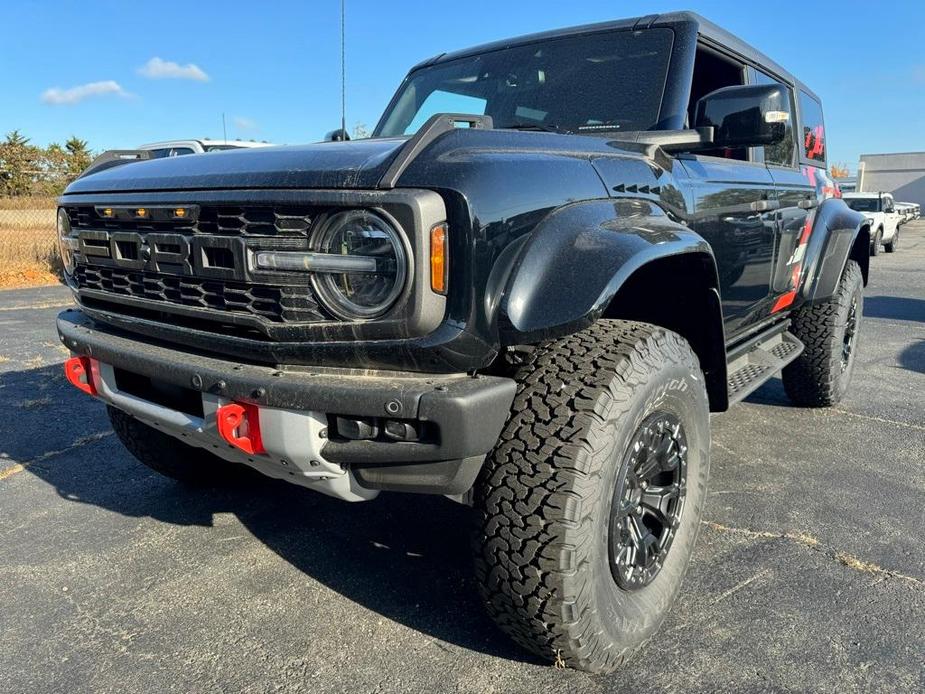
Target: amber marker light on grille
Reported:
point(438, 253)
point(141, 212)
point(106, 212)
point(180, 212)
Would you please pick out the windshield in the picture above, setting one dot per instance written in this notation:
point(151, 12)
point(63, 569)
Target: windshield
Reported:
point(863, 204)
point(582, 84)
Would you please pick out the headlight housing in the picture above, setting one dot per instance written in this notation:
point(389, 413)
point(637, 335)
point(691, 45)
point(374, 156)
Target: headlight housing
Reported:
point(65, 247)
point(381, 258)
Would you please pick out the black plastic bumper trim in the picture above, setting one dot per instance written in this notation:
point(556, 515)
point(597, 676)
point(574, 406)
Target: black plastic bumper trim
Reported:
point(469, 412)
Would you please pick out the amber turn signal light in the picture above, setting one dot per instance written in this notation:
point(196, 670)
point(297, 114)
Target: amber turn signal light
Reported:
point(438, 258)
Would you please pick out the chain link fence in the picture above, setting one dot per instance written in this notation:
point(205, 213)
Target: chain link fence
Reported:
point(28, 250)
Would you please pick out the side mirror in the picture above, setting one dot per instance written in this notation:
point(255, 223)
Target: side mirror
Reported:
point(745, 116)
point(339, 135)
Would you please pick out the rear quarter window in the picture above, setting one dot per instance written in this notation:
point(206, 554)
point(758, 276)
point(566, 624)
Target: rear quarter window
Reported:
point(813, 129)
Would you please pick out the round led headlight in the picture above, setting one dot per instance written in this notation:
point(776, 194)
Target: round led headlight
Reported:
point(65, 249)
point(373, 265)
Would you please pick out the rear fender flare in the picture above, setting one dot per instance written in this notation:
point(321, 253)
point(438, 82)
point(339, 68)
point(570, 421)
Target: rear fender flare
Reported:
point(839, 233)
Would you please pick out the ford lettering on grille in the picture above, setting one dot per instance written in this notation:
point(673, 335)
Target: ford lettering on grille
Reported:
point(218, 257)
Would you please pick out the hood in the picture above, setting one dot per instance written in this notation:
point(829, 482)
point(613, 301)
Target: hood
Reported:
point(352, 164)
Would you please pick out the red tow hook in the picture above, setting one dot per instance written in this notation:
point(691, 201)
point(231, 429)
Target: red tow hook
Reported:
point(239, 425)
point(81, 372)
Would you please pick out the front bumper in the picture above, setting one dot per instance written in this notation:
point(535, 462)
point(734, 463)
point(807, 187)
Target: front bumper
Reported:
point(464, 415)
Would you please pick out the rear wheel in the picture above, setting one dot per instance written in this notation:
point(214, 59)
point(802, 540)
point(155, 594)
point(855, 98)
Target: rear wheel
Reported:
point(591, 502)
point(821, 374)
point(168, 456)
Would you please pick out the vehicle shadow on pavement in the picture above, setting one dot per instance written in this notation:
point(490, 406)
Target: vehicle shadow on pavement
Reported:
point(912, 357)
point(894, 308)
point(405, 557)
point(770, 393)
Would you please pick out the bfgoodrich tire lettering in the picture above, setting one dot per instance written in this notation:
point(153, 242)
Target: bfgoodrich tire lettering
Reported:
point(546, 491)
point(829, 330)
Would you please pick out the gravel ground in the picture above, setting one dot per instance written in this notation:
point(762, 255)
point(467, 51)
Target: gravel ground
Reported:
point(809, 574)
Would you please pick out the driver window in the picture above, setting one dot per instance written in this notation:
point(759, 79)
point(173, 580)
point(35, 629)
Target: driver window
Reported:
point(713, 71)
point(781, 153)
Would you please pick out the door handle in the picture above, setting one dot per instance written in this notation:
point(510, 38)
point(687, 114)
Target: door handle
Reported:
point(764, 205)
point(808, 203)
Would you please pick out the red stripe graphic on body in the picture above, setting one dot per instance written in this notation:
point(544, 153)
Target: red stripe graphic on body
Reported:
point(784, 300)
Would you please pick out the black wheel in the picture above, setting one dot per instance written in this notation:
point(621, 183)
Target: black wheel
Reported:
point(893, 244)
point(167, 455)
point(590, 504)
point(821, 374)
point(875, 243)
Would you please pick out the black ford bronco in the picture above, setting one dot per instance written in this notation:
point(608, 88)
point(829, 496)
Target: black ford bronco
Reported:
point(527, 291)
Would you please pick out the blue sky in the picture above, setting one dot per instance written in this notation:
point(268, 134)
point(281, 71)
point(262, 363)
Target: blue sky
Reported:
point(274, 67)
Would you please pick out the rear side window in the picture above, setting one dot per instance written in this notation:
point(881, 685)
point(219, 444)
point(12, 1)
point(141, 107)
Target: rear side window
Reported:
point(813, 128)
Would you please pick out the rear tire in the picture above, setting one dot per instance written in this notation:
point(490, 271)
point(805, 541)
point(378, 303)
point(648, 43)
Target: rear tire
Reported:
point(168, 456)
point(820, 376)
point(568, 519)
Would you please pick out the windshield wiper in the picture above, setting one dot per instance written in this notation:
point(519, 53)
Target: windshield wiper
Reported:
point(536, 126)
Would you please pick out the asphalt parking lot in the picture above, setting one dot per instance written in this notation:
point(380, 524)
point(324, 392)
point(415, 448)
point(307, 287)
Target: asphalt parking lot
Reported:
point(809, 574)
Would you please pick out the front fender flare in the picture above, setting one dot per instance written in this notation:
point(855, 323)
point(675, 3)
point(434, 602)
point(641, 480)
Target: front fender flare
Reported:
point(578, 257)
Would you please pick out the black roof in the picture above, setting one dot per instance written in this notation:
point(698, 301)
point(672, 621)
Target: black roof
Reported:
point(704, 27)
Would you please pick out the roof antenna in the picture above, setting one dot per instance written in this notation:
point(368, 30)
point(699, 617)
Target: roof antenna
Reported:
point(224, 129)
point(343, 68)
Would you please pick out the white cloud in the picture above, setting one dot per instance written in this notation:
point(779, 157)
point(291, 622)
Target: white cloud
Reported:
point(242, 123)
point(157, 69)
point(74, 95)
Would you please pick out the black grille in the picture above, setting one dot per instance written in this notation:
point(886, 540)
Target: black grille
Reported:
point(276, 304)
point(229, 220)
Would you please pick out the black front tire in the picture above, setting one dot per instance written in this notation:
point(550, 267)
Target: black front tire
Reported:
point(820, 376)
point(875, 244)
point(893, 244)
point(168, 456)
point(545, 556)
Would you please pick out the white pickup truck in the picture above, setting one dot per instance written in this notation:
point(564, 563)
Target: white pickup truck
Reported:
point(880, 210)
point(175, 148)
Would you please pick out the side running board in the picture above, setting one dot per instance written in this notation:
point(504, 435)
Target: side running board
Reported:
point(760, 362)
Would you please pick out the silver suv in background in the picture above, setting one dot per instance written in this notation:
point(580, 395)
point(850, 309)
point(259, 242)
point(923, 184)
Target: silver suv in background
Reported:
point(176, 148)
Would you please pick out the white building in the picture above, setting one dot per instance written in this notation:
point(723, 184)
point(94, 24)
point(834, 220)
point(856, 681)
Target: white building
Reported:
point(902, 174)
